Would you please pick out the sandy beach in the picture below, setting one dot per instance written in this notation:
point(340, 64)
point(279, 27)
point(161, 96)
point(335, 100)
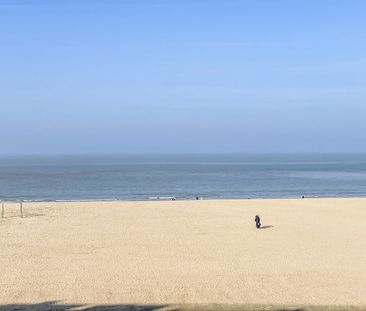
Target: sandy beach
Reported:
point(309, 252)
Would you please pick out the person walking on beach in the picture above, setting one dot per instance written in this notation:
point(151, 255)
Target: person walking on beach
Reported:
point(257, 221)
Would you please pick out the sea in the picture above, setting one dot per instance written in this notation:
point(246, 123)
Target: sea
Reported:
point(154, 177)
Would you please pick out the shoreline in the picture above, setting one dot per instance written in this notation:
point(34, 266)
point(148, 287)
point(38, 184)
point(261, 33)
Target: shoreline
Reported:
point(178, 199)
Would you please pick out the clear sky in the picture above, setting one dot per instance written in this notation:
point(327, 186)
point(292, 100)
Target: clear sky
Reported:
point(182, 76)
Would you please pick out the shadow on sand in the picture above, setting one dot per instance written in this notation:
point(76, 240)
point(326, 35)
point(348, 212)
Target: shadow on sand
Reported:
point(57, 306)
point(266, 227)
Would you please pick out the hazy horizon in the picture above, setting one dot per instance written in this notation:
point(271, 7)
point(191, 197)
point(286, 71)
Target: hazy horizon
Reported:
point(152, 154)
point(182, 77)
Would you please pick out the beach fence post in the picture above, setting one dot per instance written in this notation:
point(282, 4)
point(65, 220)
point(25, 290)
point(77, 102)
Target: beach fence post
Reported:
point(2, 209)
point(21, 208)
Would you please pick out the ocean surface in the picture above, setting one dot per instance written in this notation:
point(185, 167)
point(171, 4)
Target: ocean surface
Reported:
point(182, 176)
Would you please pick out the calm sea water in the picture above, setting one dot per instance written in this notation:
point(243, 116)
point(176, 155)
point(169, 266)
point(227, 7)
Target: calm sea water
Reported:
point(182, 176)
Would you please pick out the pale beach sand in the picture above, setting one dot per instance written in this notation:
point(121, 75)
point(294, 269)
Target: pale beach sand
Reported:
point(310, 252)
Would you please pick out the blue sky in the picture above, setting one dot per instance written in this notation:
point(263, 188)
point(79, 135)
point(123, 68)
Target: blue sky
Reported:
point(182, 76)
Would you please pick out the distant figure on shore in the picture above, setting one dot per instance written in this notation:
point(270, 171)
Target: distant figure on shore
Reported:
point(257, 221)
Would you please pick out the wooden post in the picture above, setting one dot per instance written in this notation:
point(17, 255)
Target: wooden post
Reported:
point(21, 208)
point(2, 209)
